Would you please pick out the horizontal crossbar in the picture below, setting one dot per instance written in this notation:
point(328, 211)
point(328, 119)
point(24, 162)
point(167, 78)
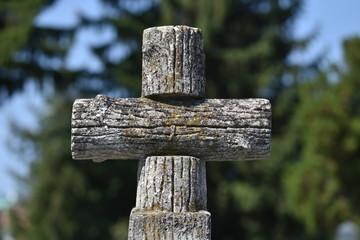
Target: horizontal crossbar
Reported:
point(131, 128)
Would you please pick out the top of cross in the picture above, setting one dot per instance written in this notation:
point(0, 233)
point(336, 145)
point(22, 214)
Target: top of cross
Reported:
point(173, 63)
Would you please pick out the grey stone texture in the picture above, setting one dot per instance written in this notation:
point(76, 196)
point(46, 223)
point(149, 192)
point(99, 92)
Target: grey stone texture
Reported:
point(168, 225)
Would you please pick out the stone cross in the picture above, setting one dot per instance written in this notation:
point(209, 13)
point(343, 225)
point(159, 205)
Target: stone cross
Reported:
point(173, 129)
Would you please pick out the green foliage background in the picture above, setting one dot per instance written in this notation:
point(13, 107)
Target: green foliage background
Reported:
point(302, 192)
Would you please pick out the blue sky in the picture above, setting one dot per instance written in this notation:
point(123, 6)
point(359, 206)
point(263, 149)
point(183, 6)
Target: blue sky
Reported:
point(333, 19)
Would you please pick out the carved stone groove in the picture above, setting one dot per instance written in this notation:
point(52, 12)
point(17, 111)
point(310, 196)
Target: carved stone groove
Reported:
point(171, 183)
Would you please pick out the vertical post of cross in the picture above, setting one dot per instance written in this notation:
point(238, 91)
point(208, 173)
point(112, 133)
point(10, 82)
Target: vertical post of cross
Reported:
point(171, 193)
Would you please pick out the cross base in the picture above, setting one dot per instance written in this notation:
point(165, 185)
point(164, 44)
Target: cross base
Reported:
point(170, 225)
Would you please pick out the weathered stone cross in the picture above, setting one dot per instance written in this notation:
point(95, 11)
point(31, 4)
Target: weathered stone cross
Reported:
point(173, 130)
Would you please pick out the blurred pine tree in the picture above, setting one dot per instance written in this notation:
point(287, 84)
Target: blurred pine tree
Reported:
point(320, 187)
